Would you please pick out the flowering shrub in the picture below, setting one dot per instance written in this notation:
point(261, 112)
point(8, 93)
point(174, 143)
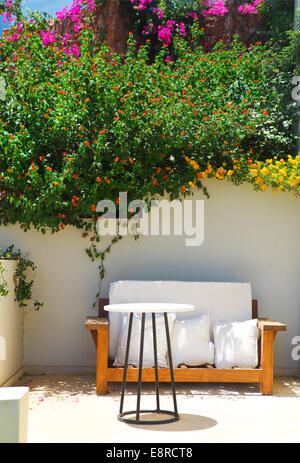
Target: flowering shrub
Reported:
point(160, 21)
point(277, 174)
point(80, 125)
point(77, 129)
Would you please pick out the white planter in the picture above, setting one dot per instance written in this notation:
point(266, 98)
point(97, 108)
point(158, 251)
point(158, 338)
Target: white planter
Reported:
point(11, 331)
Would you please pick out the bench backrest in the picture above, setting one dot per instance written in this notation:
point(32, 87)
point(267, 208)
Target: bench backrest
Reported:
point(222, 301)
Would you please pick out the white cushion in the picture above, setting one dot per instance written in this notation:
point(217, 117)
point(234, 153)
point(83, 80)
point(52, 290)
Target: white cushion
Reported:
point(148, 353)
point(229, 301)
point(190, 342)
point(236, 344)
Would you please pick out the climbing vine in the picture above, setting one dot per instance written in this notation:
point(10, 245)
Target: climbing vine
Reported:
point(23, 286)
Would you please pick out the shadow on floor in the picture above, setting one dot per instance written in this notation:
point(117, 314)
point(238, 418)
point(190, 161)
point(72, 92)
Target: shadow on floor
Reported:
point(187, 422)
point(71, 385)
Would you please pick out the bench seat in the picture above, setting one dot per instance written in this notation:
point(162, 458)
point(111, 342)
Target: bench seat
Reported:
point(99, 328)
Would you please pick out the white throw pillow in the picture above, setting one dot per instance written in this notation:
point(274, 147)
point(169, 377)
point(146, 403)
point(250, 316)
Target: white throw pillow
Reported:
point(236, 344)
point(190, 342)
point(134, 351)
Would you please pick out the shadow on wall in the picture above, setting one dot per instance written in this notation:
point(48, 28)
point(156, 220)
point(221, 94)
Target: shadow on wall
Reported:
point(2, 348)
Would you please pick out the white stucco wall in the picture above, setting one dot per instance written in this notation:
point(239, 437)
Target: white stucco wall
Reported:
point(249, 236)
point(11, 331)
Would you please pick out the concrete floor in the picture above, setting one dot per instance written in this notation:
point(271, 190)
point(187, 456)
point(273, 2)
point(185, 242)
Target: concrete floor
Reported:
point(65, 409)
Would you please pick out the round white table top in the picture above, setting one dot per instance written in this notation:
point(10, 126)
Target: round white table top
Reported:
point(153, 307)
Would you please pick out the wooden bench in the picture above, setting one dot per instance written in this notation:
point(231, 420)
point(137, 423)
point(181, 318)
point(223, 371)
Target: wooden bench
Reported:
point(263, 374)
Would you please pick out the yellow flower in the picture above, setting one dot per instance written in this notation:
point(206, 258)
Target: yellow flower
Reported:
point(220, 173)
point(264, 171)
point(283, 171)
point(209, 168)
point(253, 172)
point(194, 164)
point(263, 187)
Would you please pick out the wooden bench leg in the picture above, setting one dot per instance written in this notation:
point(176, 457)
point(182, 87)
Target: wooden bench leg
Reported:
point(102, 361)
point(267, 346)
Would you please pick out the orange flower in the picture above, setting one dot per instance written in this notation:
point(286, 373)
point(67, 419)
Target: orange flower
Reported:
point(86, 143)
point(116, 159)
point(183, 189)
point(130, 160)
point(98, 179)
point(93, 207)
point(55, 183)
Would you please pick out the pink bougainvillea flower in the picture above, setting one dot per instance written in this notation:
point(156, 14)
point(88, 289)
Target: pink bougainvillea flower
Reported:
point(48, 37)
point(7, 17)
point(181, 29)
point(169, 59)
point(65, 38)
point(73, 50)
point(250, 8)
point(159, 12)
point(164, 34)
point(247, 9)
point(193, 15)
point(217, 8)
point(76, 12)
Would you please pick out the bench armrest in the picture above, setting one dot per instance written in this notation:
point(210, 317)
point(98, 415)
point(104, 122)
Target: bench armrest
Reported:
point(266, 324)
point(269, 329)
point(98, 328)
point(96, 323)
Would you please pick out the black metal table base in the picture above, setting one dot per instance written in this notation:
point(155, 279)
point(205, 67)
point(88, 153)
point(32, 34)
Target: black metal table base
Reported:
point(135, 421)
point(138, 411)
